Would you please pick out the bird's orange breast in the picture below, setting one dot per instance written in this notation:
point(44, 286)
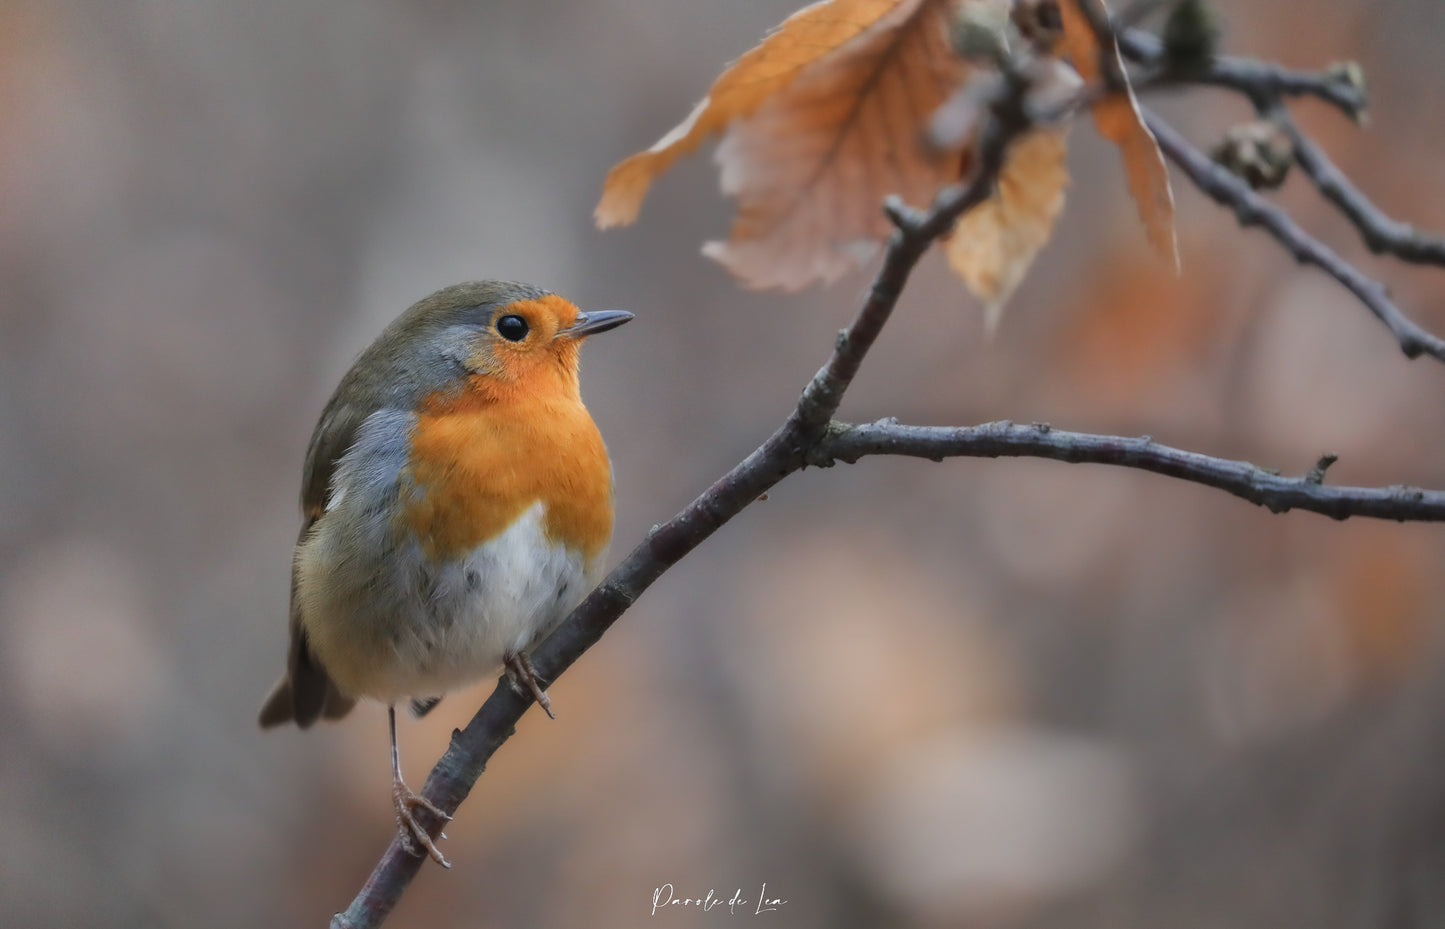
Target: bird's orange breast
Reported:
point(481, 458)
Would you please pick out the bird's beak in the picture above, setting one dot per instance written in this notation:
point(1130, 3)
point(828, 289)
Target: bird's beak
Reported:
point(595, 321)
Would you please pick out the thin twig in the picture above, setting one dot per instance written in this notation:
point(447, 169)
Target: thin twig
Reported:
point(1267, 86)
point(1252, 78)
point(1381, 233)
point(1279, 494)
point(1251, 209)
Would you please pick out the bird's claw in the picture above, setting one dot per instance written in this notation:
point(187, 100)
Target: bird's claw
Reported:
point(414, 836)
point(524, 681)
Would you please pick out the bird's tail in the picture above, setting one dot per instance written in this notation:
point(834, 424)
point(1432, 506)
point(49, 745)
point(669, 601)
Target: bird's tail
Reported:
point(280, 706)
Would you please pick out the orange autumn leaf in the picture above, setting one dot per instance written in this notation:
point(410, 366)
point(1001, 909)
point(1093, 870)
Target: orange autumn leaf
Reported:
point(828, 116)
point(994, 243)
point(823, 120)
point(811, 166)
point(738, 91)
point(1118, 119)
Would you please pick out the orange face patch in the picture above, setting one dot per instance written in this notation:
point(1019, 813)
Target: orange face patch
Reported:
point(540, 354)
point(559, 311)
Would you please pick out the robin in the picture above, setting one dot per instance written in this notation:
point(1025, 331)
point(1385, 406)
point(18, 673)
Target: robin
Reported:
point(457, 504)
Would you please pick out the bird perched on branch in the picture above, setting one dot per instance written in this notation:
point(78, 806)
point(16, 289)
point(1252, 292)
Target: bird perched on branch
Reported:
point(457, 503)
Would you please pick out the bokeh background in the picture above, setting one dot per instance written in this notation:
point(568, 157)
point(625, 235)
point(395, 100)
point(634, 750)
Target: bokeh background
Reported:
point(985, 693)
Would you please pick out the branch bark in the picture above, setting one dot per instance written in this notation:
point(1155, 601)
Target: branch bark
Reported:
point(1254, 79)
point(1381, 233)
point(1268, 488)
point(1251, 209)
point(1267, 87)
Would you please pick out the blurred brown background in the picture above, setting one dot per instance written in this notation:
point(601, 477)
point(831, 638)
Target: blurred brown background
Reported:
point(986, 693)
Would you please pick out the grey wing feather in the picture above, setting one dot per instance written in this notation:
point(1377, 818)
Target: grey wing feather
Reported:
point(333, 436)
point(307, 693)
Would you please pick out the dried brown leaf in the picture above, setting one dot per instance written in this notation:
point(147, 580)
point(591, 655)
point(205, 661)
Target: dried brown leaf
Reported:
point(1118, 119)
point(812, 164)
point(799, 40)
point(994, 243)
point(826, 118)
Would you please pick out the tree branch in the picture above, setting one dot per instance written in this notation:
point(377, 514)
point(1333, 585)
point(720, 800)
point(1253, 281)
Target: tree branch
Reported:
point(1337, 86)
point(848, 443)
point(1267, 86)
point(1251, 209)
point(1381, 233)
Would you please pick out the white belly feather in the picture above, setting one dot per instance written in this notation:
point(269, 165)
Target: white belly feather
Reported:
point(509, 592)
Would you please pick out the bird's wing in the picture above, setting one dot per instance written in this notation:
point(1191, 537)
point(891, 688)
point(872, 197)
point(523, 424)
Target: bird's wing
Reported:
point(335, 433)
point(307, 692)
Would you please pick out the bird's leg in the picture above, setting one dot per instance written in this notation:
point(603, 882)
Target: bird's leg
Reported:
point(521, 673)
point(413, 836)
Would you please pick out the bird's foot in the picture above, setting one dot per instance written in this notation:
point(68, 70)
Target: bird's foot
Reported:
point(413, 835)
point(524, 681)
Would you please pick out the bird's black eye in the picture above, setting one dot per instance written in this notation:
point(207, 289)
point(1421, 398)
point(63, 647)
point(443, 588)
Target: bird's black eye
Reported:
point(512, 327)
